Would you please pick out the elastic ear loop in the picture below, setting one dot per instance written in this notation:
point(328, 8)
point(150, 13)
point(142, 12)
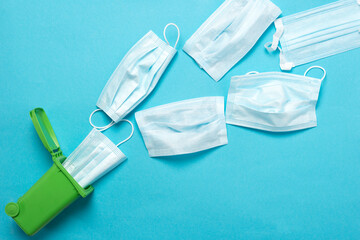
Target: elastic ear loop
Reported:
point(273, 46)
point(126, 139)
point(252, 73)
point(321, 68)
point(103, 128)
point(283, 64)
point(177, 40)
point(269, 45)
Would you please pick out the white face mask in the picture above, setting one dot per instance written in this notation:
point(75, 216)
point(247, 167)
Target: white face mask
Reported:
point(183, 127)
point(317, 33)
point(136, 76)
point(229, 33)
point(94, 157)
point(273, 101)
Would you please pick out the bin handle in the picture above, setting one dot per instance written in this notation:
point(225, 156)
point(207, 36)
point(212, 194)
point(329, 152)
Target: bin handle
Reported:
point(45, 131)
point(48, 138)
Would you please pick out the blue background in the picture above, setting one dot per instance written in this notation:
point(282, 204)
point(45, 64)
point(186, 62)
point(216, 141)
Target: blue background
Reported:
point(59, 55)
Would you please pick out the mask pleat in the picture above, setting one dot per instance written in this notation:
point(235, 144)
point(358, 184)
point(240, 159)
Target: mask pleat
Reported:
point(135, 77)
point(319, 32)
point(183, 127)
point(145, 86)
point(74, 160)
point(93, 158)
point(229, 33)
point(88, 153)
point(105, 166)
point(273, 101)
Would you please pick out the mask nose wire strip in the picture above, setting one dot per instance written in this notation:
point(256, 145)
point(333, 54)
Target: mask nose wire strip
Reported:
point(96, 127)
point(177, 40)
point(313, 67)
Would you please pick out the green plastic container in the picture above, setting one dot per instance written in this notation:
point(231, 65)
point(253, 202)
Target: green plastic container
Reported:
point(53, 192)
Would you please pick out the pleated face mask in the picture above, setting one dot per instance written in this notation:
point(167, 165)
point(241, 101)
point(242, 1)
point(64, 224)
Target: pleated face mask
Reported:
point(229, 33)
point(317, 33)
point(273, 101)
point(183, 127)
point(136, 76)
point(94, 157)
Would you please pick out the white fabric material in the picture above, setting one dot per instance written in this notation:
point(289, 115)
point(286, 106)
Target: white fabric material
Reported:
point(183, 127)
point(317, 33)
point(93, 158)
point(273, 101)
point(229, 33)
point(136, 76)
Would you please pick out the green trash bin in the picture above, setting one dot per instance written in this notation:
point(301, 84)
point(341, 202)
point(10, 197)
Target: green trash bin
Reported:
point(53, 192)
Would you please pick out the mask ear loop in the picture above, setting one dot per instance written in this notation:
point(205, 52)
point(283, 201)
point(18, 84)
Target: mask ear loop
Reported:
point(252, 73)
point(273, 46)
point(321, 68)
point(131, 134)
point(126, 139)
point(177, 40)
point(268, 47)
point(103, 128)
point(284, 65)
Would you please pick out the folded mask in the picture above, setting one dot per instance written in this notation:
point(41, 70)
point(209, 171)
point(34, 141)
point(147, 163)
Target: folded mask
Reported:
point(136, 76)
point(317, 33)
point(183, 127)
point(94, 157)
point(273, 101)
point(229, 33)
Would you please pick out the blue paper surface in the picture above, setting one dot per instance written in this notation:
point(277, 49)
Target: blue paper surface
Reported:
point(58, 55)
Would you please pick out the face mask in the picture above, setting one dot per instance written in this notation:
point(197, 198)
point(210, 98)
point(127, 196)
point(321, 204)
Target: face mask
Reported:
point(183, 127)
point(136, 76)
point(229, 33)
point(317, 33)
point(276, 102)
point(94, 157)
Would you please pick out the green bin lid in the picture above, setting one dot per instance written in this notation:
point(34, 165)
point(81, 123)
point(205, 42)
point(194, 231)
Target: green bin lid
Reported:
point(45, 130)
